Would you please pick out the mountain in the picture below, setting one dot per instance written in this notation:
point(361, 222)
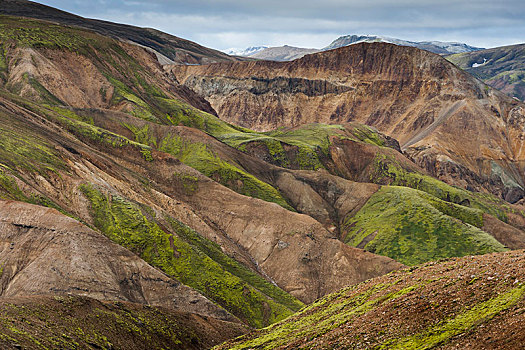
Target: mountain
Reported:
point(167, 48)
point(282, 53)
point(467, 303)
point(438, 47)
point(448, 122)
point(500, 67)
point(245, 52)
point(128, 205)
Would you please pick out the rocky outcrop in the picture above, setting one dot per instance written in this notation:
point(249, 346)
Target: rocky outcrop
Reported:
point(442, 117)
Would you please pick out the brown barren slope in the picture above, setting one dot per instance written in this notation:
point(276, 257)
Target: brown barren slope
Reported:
point(45, 252)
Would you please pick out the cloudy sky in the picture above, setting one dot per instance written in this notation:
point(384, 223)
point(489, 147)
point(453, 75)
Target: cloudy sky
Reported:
point(224, 24)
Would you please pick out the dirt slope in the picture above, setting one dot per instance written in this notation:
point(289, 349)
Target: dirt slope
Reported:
point(466, 303)
point(45, 252)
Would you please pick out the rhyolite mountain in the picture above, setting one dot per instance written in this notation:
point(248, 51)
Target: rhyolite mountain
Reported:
point(127, 204)
point(502, 68)
point(451, 124)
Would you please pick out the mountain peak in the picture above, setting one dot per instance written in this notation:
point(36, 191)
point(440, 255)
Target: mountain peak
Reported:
point(439, 47)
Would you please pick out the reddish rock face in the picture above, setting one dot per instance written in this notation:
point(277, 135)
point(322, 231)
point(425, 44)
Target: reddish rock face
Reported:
point(447, 121)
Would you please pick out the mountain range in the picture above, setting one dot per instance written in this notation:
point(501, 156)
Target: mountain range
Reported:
point(156, 194)
point(290, 53)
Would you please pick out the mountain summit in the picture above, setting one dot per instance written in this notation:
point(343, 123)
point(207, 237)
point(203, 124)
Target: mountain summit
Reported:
point(439, 47)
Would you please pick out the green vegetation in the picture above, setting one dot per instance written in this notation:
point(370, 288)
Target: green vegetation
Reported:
point(184, 256)
point(37, 34)
point(412, 227)
point(388, 170)
point(95, 134)
point(214, 251)
point(21, 148)
point(71, 322)
point(322, 316)
point(461, 323)
point(198, 156)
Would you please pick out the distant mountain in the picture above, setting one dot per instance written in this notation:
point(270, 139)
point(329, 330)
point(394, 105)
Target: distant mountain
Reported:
point(502, 68)
point(245, 52)
point(290, 53)
point(439, 47)
point(282, 53)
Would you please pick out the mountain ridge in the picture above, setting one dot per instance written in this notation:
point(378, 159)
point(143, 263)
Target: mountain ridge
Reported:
point(175, 49)
point(354, 76)
point(499, 67)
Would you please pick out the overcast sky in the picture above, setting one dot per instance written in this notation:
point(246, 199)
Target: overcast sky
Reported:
point(223, 24)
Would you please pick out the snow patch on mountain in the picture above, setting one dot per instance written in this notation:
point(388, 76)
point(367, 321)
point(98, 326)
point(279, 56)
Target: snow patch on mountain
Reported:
point(244, 52)
point(439, 47)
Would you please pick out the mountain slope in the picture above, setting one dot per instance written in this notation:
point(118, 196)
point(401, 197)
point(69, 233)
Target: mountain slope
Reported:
point(500, 67)
point(438, 47)
point(45, 252)
point(435, 110)
point(256, 222)
point(168, 48)
point(467, 303)
point(80, 322)
point(148, 126)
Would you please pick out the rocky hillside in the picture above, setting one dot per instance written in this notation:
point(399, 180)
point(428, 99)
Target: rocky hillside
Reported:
point(167, 48)
point(500, 67)
point(114, 162)
point(75, 322)
point(467, 303)
point(449, 123)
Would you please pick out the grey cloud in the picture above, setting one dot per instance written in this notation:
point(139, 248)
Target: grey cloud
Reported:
point(226, 23)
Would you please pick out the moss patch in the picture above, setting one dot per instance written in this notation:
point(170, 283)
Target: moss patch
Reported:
point(184, 257)
point(461, 323)
point(412, 227)
point(198, 156)
point(322, 316)
point(389, 171)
